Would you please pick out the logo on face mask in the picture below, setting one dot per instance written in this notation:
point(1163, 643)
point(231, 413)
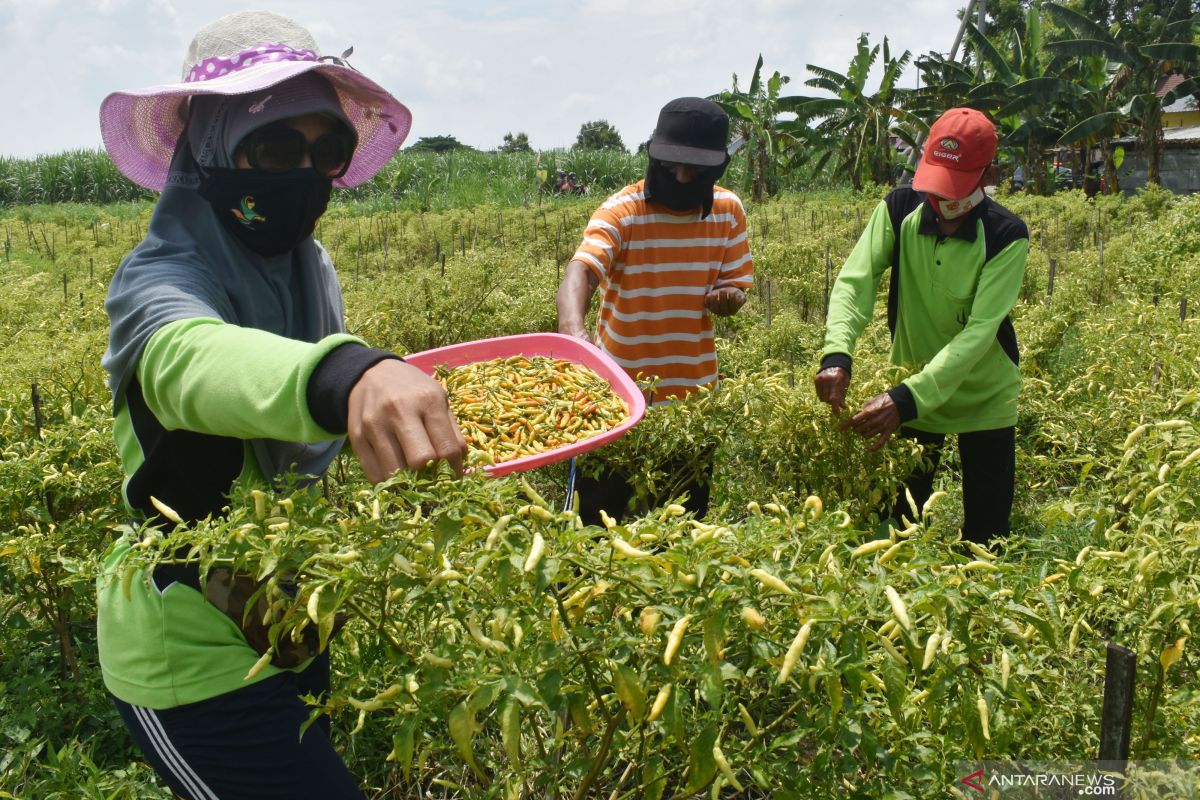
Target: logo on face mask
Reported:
point(246, 214)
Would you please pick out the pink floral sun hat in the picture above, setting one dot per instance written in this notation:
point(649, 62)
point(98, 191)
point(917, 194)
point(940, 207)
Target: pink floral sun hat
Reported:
point(241, 54)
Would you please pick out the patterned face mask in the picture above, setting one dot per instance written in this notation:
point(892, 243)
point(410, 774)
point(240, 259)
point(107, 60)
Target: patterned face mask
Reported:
point(269, 212)
point(953, 209)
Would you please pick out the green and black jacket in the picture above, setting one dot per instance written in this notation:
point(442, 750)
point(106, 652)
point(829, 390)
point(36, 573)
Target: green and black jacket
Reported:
point(949, 301)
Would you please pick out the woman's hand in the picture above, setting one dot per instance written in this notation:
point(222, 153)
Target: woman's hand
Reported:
point(400, 419)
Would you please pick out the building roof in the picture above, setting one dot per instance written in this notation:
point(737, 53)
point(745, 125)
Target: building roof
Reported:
point(1176, 135)
point(1168, 82)
point(1182, 133)
point(1182, 105)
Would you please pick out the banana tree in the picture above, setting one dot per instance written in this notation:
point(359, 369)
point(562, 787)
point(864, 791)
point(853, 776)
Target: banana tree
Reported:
point(754, 115)
point(1035, 101)
point(945, 83)
point(1102, 118)
point(1140, 65)
point(855, 126)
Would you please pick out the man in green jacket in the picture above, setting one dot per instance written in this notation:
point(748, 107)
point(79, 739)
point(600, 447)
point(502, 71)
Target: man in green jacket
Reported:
point(957, 259)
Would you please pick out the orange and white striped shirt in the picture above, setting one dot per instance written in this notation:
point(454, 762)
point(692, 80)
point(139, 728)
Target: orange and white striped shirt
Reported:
point(655, 266)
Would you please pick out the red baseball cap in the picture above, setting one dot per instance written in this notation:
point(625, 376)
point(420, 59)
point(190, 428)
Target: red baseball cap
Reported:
point(960, 146)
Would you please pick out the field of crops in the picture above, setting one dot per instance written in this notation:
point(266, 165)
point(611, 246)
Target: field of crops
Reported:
point(759, 652)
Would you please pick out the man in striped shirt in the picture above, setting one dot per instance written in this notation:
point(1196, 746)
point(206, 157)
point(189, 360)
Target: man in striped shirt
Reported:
point(669, 251)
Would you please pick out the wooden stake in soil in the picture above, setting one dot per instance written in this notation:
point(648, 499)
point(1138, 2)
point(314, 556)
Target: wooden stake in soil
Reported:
point(1120, 671)
point(1154, 298)
point(64, 287)
point(1182, 309)
point(1050, 284)
point(49, 246)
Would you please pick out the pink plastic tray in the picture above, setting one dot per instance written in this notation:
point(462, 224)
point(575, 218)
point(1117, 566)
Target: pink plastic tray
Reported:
point(554, 345)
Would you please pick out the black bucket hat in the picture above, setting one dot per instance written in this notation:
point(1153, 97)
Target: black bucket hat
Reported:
point(691, 130)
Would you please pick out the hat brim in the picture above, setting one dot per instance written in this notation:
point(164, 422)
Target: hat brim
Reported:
point(680, 154)
point(141, 127)
point(952, 184)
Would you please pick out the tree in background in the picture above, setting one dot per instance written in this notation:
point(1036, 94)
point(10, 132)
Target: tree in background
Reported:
point(1100, 118)
point(516, 144)
point(1145, 47)
point(754, 116)
point(598, 135)
point(1033, 95)
point(437, 144)
point(857, 126)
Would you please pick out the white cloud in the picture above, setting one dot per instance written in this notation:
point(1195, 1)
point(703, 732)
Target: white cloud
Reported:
point(471, 68)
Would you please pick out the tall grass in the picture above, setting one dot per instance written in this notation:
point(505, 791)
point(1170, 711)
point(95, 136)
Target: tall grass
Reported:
point(76, 176)
point(410, 181)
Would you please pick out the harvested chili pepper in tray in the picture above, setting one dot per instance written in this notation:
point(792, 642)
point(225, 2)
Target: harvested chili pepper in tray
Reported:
point(518, 406)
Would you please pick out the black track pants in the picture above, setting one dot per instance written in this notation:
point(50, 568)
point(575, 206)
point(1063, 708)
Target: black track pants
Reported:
point(246, 745)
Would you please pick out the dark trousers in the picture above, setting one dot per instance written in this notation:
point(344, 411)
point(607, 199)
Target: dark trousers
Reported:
point(612, 492)
point(989, 476)
point(246, 744)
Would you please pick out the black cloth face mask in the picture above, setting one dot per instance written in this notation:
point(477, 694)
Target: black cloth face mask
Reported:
point(662, 187)
point(269, 212)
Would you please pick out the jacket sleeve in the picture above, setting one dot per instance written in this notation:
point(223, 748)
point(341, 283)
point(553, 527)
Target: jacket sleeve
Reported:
point(999, 287)
point(208, 376)
point(852, 299)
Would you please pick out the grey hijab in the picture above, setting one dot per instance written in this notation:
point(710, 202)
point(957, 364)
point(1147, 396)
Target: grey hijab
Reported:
point(188, 266)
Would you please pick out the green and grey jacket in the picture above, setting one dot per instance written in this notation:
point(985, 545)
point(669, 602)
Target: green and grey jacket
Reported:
point(948, 310)
point(202, 390)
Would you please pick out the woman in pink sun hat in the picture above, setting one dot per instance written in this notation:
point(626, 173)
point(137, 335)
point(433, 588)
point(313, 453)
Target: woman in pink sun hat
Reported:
point(229, 365)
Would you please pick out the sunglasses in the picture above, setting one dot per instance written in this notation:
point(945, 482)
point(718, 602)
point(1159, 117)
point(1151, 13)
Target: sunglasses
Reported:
point(278, 149)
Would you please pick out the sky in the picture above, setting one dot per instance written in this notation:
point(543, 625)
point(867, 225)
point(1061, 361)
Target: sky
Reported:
point(475, 69)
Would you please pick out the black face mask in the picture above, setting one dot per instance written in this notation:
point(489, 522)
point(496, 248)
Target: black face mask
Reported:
point(269, 212)
point(662, 187)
